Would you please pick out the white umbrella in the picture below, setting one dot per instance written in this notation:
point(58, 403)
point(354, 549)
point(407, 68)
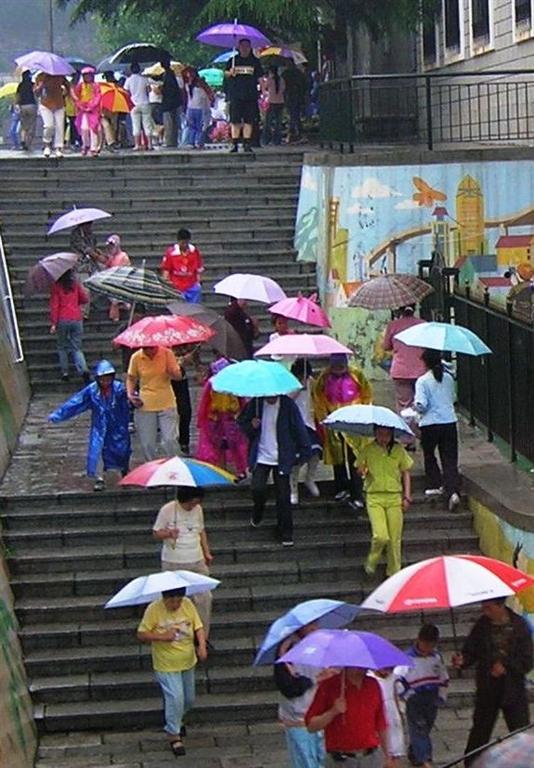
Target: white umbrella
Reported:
point(145, 589)
point(76, 217)
point(361, 420)
point(250, 287)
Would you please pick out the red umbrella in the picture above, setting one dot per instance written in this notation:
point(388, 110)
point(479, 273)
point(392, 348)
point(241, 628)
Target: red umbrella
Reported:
point(115, 98)
point(164, 331)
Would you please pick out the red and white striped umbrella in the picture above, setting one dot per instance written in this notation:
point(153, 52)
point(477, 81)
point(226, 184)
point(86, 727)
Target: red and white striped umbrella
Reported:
point(446, 582)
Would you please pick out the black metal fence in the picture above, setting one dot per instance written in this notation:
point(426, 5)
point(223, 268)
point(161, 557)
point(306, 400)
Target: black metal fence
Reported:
point(430, 109)
point(497, 390)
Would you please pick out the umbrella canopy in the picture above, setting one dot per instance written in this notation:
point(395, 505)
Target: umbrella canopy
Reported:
point(302, 309)
point(445, 337)
point(132, 284)
point(214, 77)
point(515, 751)
point(255, 378)
point(227, 35)
point(445, 582)
point(226, 340)
point(139, 52)
point(341, 648)
point(163, 331)
point(250, 287)
point(145, 589)
point(388, 292)
point(303, 345)
point(8, 89)
point(115, 98)
point(327, 614)
point(361, 419)
point(76, 217)
point(48, 270)
point(177, 471)
point(49, 63)
point(222, 58)
point(276, 54)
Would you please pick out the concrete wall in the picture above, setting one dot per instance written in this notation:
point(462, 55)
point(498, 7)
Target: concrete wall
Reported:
point(14, 397)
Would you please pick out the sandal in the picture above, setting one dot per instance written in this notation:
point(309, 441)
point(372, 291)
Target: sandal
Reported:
point(177, 748)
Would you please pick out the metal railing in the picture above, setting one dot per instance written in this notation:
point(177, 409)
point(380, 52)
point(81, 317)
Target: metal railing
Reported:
point(430, 109)
point(8, 314)
point(496, 390)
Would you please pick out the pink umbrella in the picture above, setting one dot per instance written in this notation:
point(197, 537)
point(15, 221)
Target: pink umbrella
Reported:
point(76, 217)
point(302, 309)
point(164, 331)
point(303, 345)
point(251, 287)
point(47, 271)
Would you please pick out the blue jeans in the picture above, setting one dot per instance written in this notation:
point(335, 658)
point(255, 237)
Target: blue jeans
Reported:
point(421, 713)
point(178, 689)
point(193, 295)
point(195, 127)
point(14, 129)
point(69, 339)
point(305, 749)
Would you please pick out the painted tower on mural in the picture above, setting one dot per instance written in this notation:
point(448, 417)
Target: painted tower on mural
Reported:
point(470, 217)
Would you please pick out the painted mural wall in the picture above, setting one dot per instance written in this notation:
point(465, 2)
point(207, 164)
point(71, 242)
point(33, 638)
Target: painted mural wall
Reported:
point(359, 221)
point(17, 732)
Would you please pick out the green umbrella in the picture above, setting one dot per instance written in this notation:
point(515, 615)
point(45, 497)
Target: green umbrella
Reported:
point(214, 77)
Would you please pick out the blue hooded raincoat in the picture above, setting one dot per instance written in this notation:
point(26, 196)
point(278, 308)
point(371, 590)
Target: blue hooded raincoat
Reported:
point(109, 436)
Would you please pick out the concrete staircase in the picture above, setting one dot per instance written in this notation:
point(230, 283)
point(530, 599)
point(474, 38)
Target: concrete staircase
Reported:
point(68, 554)
point(241, 212)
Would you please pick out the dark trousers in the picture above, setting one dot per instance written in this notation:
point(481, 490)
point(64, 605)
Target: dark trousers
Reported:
point(349, 481)
point(295, 124)
point(487, 706)
point(272, 129)
point(258, 486)
point(444, 437)
point(183, 406)
point(421, 712)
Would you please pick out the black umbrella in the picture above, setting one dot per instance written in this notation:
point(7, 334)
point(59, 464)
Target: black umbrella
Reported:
point(140, 52)
point(226, 341)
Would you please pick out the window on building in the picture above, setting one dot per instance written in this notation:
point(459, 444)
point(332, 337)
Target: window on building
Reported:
point(523, 13)
point(481, 21)
point(452, 23)
point(430, 49)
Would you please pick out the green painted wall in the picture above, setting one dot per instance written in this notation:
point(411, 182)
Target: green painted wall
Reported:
point(14, 398)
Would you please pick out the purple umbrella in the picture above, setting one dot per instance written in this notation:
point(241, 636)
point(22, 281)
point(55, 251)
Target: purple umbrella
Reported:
point(50, 63)
point(344, 648)
point(76, 217)
point(228, 34)
point(47, 271)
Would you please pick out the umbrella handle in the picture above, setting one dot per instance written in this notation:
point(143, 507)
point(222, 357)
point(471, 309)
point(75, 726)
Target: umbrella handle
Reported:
point(455, 637)
point(130, 317)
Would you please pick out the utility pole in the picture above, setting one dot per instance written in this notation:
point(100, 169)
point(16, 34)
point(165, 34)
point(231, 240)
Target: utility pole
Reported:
point(51, 25)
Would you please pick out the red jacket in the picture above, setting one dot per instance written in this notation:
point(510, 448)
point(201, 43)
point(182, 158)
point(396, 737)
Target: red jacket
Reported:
point(66, 305)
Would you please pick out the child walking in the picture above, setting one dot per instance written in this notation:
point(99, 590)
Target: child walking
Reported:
point(423, 687)
point(385, 465)
point(304, 402)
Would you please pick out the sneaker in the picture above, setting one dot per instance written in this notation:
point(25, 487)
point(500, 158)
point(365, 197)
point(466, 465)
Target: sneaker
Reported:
point(288, 543)
point(356, 504)
point(454, 501)
point(46, 152)
point(248, 149)
point(312, 487)
point(433, 492)
point(131, 427)
point(234, 149)
point(99, 484)
point(255, 521)
point(294, 499)
point(341, 496)
point(59, 152)
point(65, 377)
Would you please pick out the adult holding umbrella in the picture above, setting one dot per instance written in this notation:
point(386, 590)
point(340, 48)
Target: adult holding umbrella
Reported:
point(406, 366)
point(243, 73)
point(25, 99)
point(51, 86)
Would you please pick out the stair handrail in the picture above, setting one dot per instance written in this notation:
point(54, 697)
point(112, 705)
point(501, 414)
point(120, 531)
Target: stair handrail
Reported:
point(494, 742)
point(8, 304)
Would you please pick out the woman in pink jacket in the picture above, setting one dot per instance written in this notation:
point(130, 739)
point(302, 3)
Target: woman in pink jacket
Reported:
point(66, 300)
point(407, 365)
point(87, 97)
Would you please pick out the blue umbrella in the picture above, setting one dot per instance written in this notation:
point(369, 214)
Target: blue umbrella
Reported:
point(328, 614)
point(341, 648)
point(361, 419)
point(445, 337)
point(222, 58)
point(255, 378)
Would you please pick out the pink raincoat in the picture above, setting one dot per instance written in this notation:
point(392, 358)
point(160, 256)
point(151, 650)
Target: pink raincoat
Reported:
point(87, 97)
point(220, 440)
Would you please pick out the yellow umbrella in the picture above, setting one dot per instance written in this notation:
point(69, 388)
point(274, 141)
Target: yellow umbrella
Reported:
point(9, 89)
point(157, 69)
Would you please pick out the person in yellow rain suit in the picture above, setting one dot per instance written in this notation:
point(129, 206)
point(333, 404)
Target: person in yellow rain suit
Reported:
point(338, 385)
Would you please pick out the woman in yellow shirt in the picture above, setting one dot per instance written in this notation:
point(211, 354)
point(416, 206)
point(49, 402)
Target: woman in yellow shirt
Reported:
point(171, 625)
point(385, 465)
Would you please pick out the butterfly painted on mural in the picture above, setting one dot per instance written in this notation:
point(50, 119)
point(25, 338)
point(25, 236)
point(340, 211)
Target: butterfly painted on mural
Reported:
point(426, 195)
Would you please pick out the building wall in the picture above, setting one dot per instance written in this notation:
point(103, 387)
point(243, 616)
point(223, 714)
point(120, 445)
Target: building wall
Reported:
point(14, 398)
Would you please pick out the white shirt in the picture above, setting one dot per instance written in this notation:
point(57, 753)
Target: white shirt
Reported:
point(268, 446)
point(186, 548)
point(137, 86)
point(435, 399)
point(303, 401)
point(198, 99)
